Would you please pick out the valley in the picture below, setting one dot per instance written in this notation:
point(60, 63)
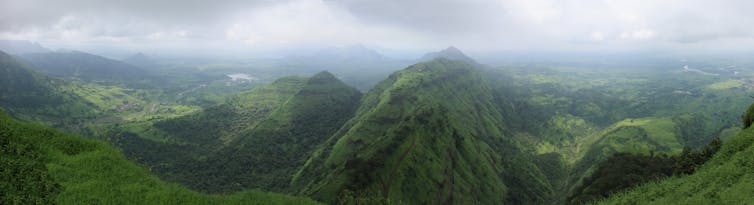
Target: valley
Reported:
point(376, 102)
point(444, 129)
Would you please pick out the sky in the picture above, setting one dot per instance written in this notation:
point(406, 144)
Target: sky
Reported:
point(235, 26)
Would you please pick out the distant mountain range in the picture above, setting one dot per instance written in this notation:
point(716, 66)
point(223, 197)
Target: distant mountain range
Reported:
point(22, 47)
point(84, 66)
point(34, 97)
point(357, 65)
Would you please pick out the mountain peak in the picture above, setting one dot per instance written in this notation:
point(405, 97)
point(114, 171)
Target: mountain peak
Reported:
point(324, 75)
point(138, 59)
point(452, 49)
point(451, 53)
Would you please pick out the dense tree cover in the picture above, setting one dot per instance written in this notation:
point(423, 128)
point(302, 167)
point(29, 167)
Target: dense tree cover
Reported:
point(725, 179)
point(623, 171)
point(619, 172)
point(256, 140)
point(690, 160)
point(44, 166)
point(748, 117)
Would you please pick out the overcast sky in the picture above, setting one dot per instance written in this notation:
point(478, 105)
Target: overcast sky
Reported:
point(477, 25)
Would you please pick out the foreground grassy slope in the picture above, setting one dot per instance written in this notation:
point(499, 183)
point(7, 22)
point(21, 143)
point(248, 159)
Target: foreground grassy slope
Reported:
point(41, 165)
point(726, 179)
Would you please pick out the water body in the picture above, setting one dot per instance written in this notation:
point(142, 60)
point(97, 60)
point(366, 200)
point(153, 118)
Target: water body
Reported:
point(241, 77)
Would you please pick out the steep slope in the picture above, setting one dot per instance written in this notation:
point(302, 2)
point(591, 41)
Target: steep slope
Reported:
point(725, 179)
point(428, 134)
point(643, 136)
point(30, 96)
point(257, 140)
point(44, 166)
point(88, 67)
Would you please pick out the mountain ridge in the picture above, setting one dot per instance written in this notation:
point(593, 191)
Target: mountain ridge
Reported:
point(394, 113)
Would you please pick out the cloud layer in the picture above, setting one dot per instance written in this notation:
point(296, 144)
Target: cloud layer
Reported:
point(400, 24)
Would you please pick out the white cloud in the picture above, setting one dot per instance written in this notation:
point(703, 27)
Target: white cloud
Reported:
point(641, 34)
point(598, 36)
point(412, 24)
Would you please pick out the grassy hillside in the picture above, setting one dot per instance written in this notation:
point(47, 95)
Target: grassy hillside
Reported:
point(428, 134)
point(33, 97)
point(45, 166)
point(725, 179)
point(644, 136)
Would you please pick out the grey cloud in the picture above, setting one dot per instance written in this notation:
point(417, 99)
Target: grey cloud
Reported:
point(447, 16)
point(24, 13)
point(475, 24)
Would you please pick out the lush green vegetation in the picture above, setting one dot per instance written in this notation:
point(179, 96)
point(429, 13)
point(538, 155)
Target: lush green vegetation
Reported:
point(622, 171)
point(725, 179)
point(441, 131)
point(34, 97)
point(257, 139)
point(44, 166)
point(428, 134)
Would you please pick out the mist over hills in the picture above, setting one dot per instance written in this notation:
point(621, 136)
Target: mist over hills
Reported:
point(450, 53)
point(22, 47)
point(356, 65)
point(369, 102)
point(140, 60)
point(84, 66)
point(444, 129)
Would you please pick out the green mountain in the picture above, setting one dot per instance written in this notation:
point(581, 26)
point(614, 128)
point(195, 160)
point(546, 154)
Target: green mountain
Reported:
point(33, 97)
point(431, 133)
point(725, 179)
point(256, 140)
point(44, 166)
point(140, 60)
point(451, 53)
point(85, 66)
